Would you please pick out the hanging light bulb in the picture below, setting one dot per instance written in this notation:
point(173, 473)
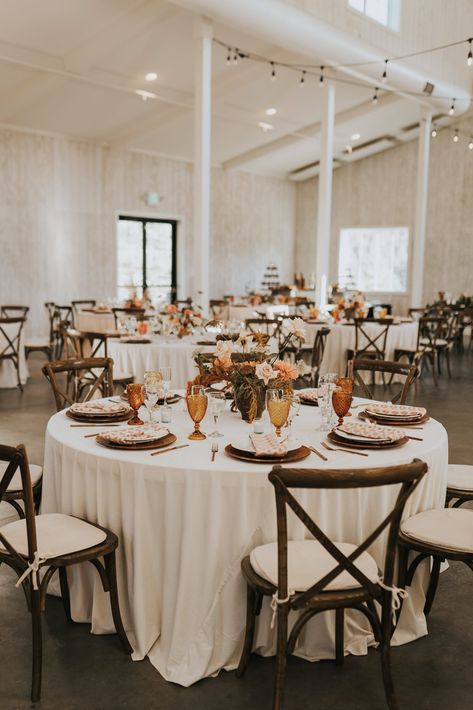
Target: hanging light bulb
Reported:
point(434, 132)
point(321, 80)
point(385, 72)
point(469, 59)
point(374, 100)
point(456, 137)
point(470, 144)
point(302, 82)
point(235, 57)
point(273, 72)
point(452, 108)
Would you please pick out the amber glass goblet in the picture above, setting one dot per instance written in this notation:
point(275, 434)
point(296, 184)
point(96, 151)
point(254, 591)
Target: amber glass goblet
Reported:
point(347, 384)
point(278, 406)
point(136, 397)
point(341, 400)
point(197, 402)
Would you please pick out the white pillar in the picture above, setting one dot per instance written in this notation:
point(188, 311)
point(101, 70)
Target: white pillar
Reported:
point(422, 192)
point(202, 166)
point(324, 212)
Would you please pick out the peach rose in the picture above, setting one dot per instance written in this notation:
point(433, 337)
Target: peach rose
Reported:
point(265, 372)
point(287, 371)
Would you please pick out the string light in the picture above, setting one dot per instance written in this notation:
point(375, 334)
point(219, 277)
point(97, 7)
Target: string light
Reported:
point(456, 137)
point(229, 56)
point(321, 80)
point(374, 100)
point(434, 132)
point(469, 59)
point(385, 72)
point(273, 72)
point(452, 108)
point(470, 144)
point(302, 78)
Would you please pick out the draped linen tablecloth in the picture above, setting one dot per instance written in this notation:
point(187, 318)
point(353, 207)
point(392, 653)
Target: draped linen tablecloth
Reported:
point(90, 322)
point(160, 352)
point(8, 376)
point(185, 523)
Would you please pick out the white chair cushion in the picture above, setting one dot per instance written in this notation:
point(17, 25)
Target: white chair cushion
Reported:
point(439, 342)
point(56, 534)
point(38, 343)
point(460, 476)
point(309, 561)
point(447, 528)
point(15, 483)
point(118, 375)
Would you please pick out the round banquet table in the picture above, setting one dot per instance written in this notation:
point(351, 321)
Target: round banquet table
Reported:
point(185, 523)
point(160, 352)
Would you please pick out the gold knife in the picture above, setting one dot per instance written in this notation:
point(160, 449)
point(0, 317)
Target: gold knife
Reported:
point(172, 448)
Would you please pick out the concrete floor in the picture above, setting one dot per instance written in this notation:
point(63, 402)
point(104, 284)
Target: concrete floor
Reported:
point(84, 671)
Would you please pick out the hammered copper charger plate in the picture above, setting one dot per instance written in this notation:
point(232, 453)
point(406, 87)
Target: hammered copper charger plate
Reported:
point(156, 444)
point(301, 453)
point(392, 422)
point(308, 402)
point(349, 444)
point(105, 419)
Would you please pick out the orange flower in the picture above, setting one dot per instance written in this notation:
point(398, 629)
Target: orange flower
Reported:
point(172, 308)
point(224, 361)
point(287, 371)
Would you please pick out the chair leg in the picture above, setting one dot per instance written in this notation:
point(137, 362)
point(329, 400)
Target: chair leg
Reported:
point(66, 600)
point(434, 579)
point(385, 653)
point(434, 367)
point(280, 656)
point(37, 645)
point(339, 628)
point(447, 357)
point(251, 611)
point(110, 566)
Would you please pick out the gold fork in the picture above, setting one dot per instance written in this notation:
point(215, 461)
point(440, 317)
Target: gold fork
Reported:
point(346, 451)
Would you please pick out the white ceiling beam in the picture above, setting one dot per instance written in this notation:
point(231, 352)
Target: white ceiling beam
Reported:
point(125, 27)
point(25, 94)
point(310, 131)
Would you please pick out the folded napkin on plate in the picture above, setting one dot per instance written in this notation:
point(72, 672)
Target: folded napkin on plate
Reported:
point(136, 434)
point(309, 394)
point(396, 410)
point(370, 431)
point(97, 407)
point(268, 445)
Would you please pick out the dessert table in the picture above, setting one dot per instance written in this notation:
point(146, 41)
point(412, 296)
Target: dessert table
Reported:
point(185, 523)
point(160, 352)
point(8, 376)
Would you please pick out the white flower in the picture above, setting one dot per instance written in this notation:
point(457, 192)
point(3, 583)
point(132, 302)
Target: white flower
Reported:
point(296, 327)
point(224, 349)
point(303, 368)
point(265, 372)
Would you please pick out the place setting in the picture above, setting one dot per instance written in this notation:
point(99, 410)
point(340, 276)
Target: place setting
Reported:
point(97, 412)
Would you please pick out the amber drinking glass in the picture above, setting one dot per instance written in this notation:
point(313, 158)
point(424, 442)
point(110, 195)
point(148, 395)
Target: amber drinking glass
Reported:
point(278, 406)
point(196, 402)
point(346, 383)
point(341, 400)
point(136, 397)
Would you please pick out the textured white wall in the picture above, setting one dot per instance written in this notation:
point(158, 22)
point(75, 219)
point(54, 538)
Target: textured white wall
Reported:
point(59, 200)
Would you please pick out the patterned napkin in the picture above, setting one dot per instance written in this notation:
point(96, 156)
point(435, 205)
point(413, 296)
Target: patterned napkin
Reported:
point(268, 445)
point(370, 431)
point(98, 407)
point(396, 410)
point(309, 394)
point(136, 434)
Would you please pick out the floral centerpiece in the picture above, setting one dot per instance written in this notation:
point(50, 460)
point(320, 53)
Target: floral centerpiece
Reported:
point(250, 369)
point(350, 308)
point(184, 320)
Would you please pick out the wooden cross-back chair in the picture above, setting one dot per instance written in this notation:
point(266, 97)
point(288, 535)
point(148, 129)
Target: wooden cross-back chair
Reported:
point(83, 378)
point(268, 326)
point(78, 305)
point(430, 341)
point(358, 366)
point(14, 311)
point(10, 343)
point(52, 542)
point(217, 308)
point(318, 350)
point(369, 343)
point(342, 575)
point(43, 344)
point(122, 313)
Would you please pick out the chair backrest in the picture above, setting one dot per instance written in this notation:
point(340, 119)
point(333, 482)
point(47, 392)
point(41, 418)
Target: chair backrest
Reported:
point(14, 311)
point(122, 313)
point(269, 326)
point(16, 458)
point(78, 305)
point(371, 342)
point(431, 329)
point(319, 347)
point(284, 479)
point(217, 308)
point(84, 378)
point(82, 344)
point(10, 338)
point(409, 372)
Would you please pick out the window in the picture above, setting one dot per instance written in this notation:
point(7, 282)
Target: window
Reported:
point(374, 259)
point(146, 258)
point(386, 12)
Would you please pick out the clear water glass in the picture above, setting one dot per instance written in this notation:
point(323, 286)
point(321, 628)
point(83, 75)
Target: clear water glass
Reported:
point(326, 385)
point(165, 373)
point(217, 402)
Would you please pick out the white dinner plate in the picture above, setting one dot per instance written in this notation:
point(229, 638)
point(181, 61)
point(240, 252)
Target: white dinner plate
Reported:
point(245, 444)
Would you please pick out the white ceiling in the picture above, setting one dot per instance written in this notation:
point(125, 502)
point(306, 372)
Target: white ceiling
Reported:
point(73, 68)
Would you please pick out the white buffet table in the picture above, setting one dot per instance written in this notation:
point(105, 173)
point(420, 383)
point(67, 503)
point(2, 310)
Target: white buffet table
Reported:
point(185, 523)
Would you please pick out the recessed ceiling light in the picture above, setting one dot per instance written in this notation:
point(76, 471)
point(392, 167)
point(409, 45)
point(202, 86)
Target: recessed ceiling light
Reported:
point(145, 95)
point(355, 136)
point(151, 76)
point(265, 126)
point(271, 111)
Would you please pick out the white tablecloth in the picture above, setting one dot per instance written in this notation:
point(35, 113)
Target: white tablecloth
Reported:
point(8, 375)
point(161, 352)
point(185, 523)
point(94, 322)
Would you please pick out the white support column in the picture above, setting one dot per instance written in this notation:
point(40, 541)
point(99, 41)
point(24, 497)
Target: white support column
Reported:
point(324, 211)
point(202, 165)
point(422, 192)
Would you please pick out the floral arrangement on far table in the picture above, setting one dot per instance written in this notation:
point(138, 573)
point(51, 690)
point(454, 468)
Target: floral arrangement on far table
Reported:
point(351, 308)
point(185, 320)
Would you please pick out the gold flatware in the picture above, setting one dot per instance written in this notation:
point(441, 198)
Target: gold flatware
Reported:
point(321, 456)
point(346, 451)
point(172, 448)
point(214, 449)
point(99, 433)
point(414, 438)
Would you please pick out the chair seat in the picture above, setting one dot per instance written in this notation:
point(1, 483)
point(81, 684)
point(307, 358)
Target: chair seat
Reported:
point(57, 535)
point(460, 476)
point(309, 561)
point(117, 375)
point(38, 343)
point(447, 528)
point(438, 342)
point(15, 484)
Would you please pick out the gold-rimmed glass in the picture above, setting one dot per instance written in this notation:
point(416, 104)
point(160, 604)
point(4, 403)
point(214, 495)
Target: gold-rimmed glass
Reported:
point(278, 405)
point(341, 400)
point(136, 397)
point(197, 402)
